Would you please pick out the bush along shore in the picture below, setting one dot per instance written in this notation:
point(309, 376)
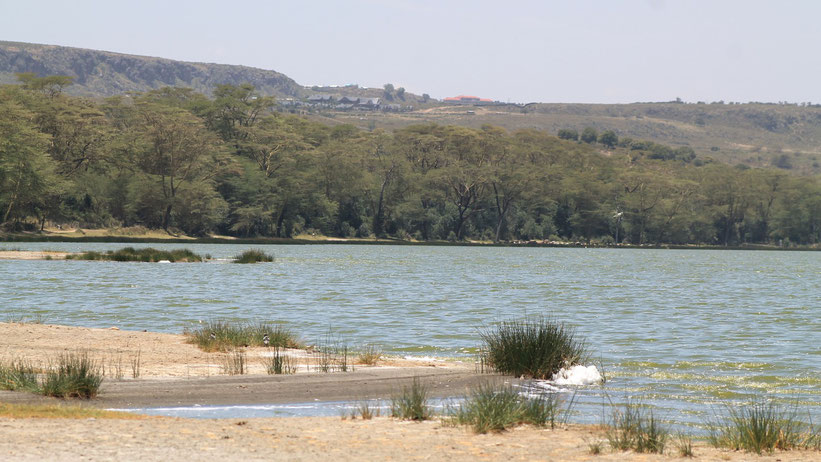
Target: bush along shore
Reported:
point(75, 375)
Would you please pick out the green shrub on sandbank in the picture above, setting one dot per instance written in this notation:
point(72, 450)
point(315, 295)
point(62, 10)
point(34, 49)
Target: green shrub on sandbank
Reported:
point(495, 409)
point(225, 335)
point(147, 254)
point(633, 428)
point(253, 256)
point(535, 348)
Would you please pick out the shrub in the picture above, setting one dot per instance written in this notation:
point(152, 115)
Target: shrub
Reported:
point(76, 375)
point(370, 356)
point(535, 348)
point(412, 403)
point(253, 256)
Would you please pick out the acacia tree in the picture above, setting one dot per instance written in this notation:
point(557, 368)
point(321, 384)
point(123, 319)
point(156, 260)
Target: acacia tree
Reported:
point(174, 151)
point(27, 180)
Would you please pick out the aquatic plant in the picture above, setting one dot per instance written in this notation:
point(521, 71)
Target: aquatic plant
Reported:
point(535, 348)
point(762, 426)
point(74, 375)
point(223, 335)
point(412, 403)
point(147, 254)
point(684, 444)
point(253, 256)
point(278, 363)
point(497, 408)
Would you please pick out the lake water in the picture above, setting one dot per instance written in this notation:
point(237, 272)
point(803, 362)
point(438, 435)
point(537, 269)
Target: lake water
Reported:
point(682, 330)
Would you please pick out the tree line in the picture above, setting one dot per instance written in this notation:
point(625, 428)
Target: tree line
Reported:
point(177, 160)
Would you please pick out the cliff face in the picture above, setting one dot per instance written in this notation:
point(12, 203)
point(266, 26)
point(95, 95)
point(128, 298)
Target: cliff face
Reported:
point(102, 73)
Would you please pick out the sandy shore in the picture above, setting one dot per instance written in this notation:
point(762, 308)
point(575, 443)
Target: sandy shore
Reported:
point(32, 255)
point(174, 372)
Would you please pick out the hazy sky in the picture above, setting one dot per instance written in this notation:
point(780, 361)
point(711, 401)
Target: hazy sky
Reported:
point(604, 51)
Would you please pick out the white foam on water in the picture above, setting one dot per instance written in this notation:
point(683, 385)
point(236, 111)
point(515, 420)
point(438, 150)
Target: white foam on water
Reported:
point(577, 375)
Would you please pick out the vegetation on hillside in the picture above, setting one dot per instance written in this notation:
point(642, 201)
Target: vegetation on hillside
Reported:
point(173, 159)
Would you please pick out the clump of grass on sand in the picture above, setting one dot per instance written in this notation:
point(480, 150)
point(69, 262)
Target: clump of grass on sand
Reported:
point(74, 375)
point(278, 363)
point(147, 254)
point(495, 409)
point(224, 335)
point(18, 375)
point(632, 428)
point(370, 355)
point(535, 348)
point(763, 427)
point(412, 403)
point(253, 256)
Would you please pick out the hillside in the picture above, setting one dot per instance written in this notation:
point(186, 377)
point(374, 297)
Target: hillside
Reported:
point(754, 134)
point(102, 73)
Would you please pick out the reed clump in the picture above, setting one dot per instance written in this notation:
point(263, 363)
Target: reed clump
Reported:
point(147, 254)
point(632, 427)
point(535, 348)
point(278, 363)
point(75, 375)
point(412, 403)
point(18, 375)
point(495, 409)
point(253, 256)
point(370, 356)
point(763, 427)
point(225, 335)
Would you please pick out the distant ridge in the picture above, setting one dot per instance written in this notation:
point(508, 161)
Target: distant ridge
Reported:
point(104, 73)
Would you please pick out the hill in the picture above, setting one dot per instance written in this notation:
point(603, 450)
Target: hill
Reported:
point(786, 136)
point(102, 73)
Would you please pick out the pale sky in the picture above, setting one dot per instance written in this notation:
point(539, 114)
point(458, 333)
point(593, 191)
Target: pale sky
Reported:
point(584, 51)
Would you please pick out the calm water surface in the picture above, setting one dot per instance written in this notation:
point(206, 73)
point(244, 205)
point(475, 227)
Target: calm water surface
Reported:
point(682, 330)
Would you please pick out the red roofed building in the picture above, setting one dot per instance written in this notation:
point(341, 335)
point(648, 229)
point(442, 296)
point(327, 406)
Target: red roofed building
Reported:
point(466, 99)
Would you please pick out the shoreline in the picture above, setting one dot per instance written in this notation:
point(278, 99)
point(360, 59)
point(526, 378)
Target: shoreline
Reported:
point(177, 373)
point(341, 241)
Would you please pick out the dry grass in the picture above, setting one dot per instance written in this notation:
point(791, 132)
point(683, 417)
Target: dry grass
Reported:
point(51, 411)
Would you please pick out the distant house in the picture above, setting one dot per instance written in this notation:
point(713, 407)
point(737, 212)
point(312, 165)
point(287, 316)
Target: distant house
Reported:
point(344, 103)
point(466, 99)
point(320, 99)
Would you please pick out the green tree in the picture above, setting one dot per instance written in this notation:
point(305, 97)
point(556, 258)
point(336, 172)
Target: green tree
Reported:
point(568, 134)
point(589, 135)
point(608, 138)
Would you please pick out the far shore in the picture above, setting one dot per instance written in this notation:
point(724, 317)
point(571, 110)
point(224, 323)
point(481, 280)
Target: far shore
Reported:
point(145, 236)
point(173, 372)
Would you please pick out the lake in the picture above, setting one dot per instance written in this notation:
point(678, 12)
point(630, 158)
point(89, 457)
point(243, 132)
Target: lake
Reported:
point(681, 330)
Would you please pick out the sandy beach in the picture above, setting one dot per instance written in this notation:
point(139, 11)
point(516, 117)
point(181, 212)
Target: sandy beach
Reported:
point(173, 372)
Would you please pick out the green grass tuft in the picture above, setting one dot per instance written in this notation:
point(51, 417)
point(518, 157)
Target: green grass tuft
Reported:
point(535, 348)
point(253, 256)
point(19, 375)
point(224, 335)
point(631, 428)
point(495, 409)
point(412, 403)
point(762, 426)
point(75, 375)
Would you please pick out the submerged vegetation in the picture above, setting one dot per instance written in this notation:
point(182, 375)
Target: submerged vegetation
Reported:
point(226, 335)
point(536, 348)
point(253, 256)
point(147, 254)
point(177, 160)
